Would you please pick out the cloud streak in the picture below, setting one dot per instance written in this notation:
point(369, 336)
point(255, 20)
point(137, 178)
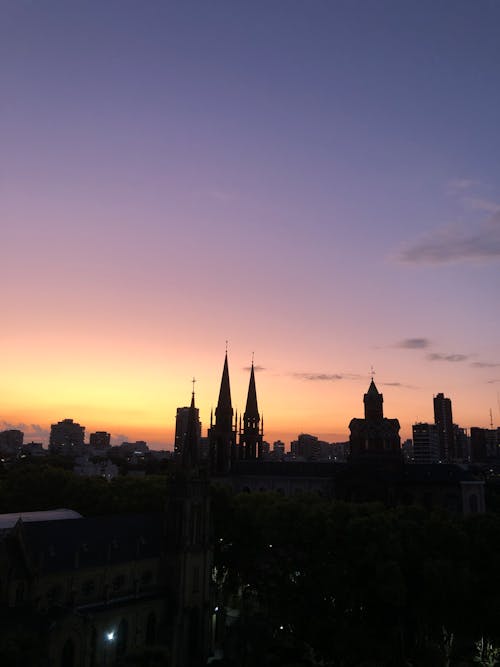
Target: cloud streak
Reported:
point(438, 356)
point(484, 364)
point(325, 377)
point(454, 244)
point(413, 343)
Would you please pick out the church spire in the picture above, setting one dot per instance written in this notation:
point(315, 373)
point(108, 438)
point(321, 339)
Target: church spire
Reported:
point(190, 451)
point(222, 435)
point(251, 407)
point(373, 401)
point(225, 390)
point(251, 439)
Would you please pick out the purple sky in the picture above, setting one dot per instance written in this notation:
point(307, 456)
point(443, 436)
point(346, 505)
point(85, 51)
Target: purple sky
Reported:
point(317, 182)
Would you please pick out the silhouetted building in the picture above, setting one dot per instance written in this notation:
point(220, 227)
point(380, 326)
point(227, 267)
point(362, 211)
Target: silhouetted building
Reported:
point(251, 436)
point(181, 424)
point(375, 436)
point(279, 449)
point(11, 441)
point(443, 418)
point(189, 552)
point(461, 444)
point(91, 591)
point(66, 437)
point(100, 440)
point(222, 433)
point(484, 443)
point(425, 443)
point(306, 448)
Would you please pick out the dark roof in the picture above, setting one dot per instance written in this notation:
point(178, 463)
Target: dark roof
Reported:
point(55, 546)
point(436, 472)
point(383, 470)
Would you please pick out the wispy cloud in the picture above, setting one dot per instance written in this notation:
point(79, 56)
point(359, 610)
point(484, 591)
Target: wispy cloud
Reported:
point(325, 377)
point(118, 438)
point(484, 364)
point(413, 343)
point(438, 356)
point(256, 368)
point(459, 185)
point(454, 244)
point(480, 204)
point(397, 384)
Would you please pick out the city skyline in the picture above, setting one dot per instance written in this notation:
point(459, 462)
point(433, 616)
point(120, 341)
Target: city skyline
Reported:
point(318, 184)
point(41, 433)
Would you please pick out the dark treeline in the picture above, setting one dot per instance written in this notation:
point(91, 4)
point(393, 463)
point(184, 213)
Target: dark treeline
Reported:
point(317, 582)
point(349, 585)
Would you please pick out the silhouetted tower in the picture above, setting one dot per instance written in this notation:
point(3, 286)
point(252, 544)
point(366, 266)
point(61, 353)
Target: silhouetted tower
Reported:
point(373, 401)
point(188, 551)
point(222, 434)
point(251, 436)
point(181, 425)
point(443, 418)
point(375, 437)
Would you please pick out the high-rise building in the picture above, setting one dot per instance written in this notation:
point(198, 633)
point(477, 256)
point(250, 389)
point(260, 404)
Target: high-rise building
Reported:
point(425, 443)
point(278, 449)
point(66, 437)
point(181, 426)
point(100, 440)
point(484, 443)
point(11, 441)
point(443, 419)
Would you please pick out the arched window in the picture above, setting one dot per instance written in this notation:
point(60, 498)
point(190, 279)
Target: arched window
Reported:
point(151, 628)
point(68, 654)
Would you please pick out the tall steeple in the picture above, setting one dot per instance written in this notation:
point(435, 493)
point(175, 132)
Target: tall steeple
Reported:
point(224, 409)
point(188, 553)
point(373, 401)
point(251, 438)
point(222, 435)
point(190, 451)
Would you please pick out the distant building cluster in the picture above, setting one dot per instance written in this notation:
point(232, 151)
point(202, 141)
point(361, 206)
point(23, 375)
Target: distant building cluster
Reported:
point(231, 438)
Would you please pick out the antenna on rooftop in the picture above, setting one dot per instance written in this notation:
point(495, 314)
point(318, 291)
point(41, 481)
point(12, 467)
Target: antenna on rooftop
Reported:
point(491, 419)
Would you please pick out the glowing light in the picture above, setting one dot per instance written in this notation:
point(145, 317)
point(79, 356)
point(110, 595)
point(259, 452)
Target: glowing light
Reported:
point(110, 636)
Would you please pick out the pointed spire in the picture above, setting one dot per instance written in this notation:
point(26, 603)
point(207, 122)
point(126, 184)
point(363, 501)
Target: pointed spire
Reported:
point(190, 450)
point(225, 389)
point(252, 408)
point(373, 401)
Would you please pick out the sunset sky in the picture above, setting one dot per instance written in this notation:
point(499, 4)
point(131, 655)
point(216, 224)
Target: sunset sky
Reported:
point(315, 182)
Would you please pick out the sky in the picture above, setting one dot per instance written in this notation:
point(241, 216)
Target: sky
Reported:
point(317, 183)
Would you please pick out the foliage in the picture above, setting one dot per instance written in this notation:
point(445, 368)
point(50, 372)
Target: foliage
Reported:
point(359, 584)
point(31, 488)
